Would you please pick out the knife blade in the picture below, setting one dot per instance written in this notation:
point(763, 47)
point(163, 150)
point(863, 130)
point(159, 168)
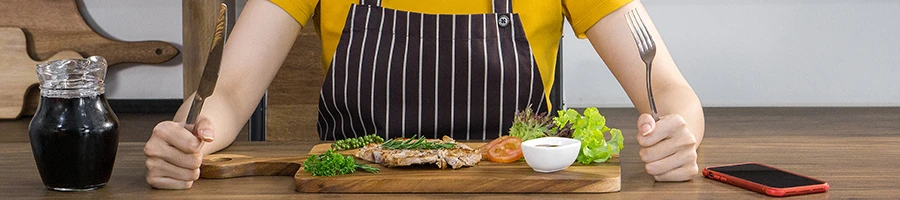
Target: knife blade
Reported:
point(211, 70)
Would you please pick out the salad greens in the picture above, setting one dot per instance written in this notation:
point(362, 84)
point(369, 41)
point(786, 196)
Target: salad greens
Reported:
point(330, 164)
point(589, 129)
point(528, 125)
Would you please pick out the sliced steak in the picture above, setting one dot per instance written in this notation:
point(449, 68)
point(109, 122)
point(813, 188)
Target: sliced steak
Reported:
point(458, 156)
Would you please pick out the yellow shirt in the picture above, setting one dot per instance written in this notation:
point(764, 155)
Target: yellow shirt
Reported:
point(541, 19)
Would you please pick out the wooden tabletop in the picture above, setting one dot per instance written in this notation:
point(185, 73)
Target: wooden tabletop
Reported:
point(855, 150)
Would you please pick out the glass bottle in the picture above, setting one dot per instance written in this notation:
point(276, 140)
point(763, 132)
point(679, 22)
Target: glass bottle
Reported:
point(74, 134)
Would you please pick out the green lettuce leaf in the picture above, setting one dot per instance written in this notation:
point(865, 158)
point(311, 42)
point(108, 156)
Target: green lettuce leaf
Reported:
point(590, 129)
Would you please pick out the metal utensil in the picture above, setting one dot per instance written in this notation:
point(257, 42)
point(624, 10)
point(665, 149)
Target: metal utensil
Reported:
point(647, 49)
point(211, 70)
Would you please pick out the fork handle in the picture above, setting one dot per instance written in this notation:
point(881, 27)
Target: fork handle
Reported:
point(650, 94)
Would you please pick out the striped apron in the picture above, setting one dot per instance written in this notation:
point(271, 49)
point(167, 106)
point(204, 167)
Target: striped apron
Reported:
point(400, 74)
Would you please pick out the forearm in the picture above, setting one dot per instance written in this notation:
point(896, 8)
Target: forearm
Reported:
point(252, 55)
point(613, 41)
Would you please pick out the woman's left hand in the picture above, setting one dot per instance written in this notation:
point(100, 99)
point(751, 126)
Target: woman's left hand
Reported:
point(668, 148)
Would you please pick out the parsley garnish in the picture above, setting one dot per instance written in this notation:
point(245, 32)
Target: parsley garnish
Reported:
point(330, 164)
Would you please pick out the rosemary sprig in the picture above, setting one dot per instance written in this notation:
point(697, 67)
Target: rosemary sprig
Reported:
point(367, 168)
point(414, 143)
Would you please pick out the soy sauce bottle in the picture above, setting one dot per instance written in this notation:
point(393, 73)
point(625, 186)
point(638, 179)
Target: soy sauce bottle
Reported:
point(74, 134)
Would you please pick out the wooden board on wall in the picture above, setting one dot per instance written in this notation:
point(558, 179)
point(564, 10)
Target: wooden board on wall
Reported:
point(53, 26)
point(17, 75)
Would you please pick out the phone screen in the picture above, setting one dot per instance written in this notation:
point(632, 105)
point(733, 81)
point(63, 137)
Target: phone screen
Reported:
point(765, 175)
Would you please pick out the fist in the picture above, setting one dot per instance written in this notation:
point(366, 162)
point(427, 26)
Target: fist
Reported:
point(173, 153)
point(668, 148)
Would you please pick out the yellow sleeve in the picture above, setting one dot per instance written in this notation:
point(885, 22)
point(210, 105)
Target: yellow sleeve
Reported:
point(583, 14)
point(300, 10)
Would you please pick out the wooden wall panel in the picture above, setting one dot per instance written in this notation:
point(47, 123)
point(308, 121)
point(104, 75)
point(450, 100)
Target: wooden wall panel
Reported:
point(294, 94)
point(199, 23)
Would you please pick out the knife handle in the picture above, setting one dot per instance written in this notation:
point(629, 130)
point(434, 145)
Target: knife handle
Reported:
point(193, 114)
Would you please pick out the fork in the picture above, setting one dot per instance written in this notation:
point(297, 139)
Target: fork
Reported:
point(647, 49)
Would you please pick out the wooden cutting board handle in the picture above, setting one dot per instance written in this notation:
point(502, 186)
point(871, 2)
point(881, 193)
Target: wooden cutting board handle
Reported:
point(115, 51)
point(232, 166)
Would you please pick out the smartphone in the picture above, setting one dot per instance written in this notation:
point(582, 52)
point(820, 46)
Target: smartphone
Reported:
point(765, 179)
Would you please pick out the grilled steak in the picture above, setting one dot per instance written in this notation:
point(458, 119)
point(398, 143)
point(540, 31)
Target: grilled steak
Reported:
point(458, 156)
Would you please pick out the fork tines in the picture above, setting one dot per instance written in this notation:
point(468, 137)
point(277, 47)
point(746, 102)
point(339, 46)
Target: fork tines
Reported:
point(639, 31)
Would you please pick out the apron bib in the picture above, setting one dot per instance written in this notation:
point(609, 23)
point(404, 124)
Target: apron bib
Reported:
point(400, 74)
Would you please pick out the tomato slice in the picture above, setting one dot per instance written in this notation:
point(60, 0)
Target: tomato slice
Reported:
point(484, 149)
point(507, 151)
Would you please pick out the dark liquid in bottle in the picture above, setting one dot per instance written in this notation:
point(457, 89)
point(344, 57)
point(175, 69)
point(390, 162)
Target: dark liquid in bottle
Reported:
point(74, 142)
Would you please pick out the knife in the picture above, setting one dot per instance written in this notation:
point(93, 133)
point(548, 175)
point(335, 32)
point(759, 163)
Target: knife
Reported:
point(211, 70)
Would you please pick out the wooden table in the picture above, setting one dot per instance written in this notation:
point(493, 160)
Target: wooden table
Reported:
point(854, 149)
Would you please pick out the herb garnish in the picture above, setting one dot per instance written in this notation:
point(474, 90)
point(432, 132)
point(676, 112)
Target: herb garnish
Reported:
point(413, 143)
point(330, 164)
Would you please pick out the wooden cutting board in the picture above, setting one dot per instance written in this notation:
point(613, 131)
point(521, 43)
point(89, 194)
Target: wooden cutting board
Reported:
point(17, 73)
point(57, 25)
point(487, 177)
point(52, 26)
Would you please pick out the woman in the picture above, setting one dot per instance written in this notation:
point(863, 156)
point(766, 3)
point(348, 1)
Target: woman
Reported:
point(395, 71)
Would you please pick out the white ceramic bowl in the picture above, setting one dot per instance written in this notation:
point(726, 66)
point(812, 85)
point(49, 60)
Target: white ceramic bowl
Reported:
point(543, 158)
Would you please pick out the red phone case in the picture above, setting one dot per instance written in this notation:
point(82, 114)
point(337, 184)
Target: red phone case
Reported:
point(771, 191)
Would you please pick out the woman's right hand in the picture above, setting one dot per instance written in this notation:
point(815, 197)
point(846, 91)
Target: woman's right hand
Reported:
point(173, 153)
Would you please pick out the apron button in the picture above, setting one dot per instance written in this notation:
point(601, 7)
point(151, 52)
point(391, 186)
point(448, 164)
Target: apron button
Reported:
point(503, 21)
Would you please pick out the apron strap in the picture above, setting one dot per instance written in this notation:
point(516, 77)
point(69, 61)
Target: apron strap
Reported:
point(370, 2)
point(500, 6)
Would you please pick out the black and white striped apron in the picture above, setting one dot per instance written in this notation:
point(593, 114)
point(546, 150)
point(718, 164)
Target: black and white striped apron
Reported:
point(399, 74)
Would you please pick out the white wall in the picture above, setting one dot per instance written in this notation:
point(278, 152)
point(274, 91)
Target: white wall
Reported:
point(763, 53)
point(734, 53)
point(139, 20)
